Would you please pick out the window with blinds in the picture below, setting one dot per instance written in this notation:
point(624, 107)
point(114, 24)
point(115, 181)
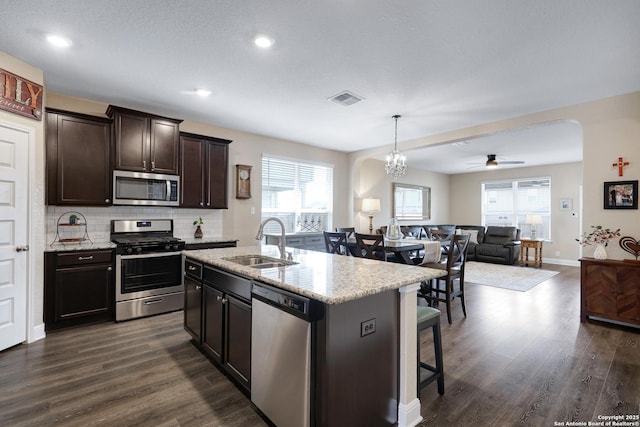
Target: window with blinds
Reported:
point(521, 203)
point(299, 193)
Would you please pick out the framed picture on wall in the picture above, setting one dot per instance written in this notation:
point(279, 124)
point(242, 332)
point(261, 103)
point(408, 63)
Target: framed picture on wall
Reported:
point(621, 195)
point(566, 204)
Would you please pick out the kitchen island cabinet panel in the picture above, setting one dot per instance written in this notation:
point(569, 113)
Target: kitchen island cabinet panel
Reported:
point(193, 300)
point(238, 339)
point(78, 159)
point(226, 335)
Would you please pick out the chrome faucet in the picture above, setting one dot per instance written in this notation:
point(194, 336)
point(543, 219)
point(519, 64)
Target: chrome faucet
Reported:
point(281, 244)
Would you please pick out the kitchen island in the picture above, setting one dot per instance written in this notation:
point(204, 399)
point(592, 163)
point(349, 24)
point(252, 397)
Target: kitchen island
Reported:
point(363, 365)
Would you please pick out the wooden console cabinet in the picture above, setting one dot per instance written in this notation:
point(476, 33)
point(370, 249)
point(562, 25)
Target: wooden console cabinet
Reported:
point(610, 289)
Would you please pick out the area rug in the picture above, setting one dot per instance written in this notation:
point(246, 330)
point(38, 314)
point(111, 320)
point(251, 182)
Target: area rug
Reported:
point(505, 276)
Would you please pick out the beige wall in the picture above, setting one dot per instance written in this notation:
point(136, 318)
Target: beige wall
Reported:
point(566, 179)
point(36, 221)
point(611, 128)
point(238, 222)
point(374, 182)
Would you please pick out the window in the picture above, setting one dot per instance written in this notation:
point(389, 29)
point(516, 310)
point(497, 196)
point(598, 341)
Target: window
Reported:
point(299, 193)
point(510, 202)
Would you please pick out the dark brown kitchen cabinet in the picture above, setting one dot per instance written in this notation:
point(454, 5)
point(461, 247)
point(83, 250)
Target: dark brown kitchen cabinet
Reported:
point(79, 288)
point(193, 300)
point(203, 171)
point(78, 159)
point(226, 329)
point(144, 142)
point(610, 290)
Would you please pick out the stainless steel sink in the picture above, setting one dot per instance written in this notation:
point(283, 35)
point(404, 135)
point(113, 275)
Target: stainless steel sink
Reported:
point(259, 261)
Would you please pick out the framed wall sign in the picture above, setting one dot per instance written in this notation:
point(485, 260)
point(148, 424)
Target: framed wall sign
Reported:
point(566, 204)
point(243, 182)
point(621, 195)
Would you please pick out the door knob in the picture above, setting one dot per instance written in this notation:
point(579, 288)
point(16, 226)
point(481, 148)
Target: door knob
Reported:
point(22, 248)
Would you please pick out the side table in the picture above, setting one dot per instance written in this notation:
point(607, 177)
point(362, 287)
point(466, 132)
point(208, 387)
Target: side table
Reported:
point(536, 245)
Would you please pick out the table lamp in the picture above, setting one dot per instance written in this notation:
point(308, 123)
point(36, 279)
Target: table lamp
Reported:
point(534, 220)
point(370, 205)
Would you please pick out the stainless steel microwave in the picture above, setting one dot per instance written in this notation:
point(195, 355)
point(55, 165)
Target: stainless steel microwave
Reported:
point(139, 188)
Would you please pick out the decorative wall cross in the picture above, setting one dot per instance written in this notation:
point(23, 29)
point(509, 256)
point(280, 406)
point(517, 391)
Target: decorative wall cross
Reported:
point(620, 165)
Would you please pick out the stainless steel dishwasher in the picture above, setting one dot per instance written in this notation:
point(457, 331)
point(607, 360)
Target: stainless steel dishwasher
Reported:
point(281, 355)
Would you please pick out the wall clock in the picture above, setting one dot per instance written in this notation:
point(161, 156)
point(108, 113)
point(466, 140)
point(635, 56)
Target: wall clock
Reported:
point(243, 181)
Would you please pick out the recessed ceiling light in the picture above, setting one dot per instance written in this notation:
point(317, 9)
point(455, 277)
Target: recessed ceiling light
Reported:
point(58, 41)
point(263, 41)
point(203, 92)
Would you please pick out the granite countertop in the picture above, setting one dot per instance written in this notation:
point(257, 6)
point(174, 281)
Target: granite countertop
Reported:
point(332, 279)
point(81, 246)
point(192, 240)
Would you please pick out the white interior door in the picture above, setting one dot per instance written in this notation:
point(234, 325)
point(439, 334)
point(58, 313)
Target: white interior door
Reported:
point(14, 175)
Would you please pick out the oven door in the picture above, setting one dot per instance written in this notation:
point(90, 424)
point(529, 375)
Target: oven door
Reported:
point(139, 276)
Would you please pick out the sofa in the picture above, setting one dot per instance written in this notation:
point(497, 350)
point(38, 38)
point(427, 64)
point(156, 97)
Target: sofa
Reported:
point(494, 244)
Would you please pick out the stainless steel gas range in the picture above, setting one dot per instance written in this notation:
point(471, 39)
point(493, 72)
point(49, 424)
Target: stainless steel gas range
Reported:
point(148, 268)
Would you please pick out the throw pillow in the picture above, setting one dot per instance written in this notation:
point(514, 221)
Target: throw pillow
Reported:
point(473, 235)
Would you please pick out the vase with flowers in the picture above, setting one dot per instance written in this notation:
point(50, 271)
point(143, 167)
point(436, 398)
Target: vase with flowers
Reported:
point(198, 233)
point(600, 237)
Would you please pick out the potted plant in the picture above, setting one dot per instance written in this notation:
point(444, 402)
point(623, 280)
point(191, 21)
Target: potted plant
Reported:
point(198, 233)
point(73, 219)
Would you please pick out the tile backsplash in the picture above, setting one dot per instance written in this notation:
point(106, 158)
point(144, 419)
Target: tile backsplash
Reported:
point(99, 219)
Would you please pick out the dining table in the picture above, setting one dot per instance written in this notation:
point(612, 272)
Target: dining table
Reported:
point(404, 248)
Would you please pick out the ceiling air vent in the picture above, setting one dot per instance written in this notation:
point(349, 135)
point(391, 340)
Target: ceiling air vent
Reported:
point(346, 98)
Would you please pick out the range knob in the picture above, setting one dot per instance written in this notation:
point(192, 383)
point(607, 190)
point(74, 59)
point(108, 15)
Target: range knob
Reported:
point(176, 247)
point(128, 249)
point(138, 249)
point(167, 248)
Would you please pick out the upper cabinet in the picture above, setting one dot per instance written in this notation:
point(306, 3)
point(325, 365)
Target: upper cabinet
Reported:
point(203, 171)
point(144, 142)
point(78, 159)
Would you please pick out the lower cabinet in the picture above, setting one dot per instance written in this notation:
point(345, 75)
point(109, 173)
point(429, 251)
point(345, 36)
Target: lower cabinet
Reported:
point(193, 300)
point(224, 333)
point(79, 288)
point(610, 290)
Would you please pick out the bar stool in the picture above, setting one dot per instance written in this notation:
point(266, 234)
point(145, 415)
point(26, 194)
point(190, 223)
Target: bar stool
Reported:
point(429, 317)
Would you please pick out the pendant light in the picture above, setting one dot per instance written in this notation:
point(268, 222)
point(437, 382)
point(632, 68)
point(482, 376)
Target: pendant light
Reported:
point(396, 165)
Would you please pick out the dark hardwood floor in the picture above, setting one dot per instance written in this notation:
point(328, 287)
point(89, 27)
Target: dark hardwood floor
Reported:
point(519, 358)
point(524, 358)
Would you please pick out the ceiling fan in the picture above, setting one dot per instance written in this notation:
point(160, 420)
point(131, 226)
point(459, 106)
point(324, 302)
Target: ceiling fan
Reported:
point(493, 163)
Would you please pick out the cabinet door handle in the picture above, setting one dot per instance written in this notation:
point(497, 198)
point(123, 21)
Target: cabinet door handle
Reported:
point(191, 268)
point(85, 258)
point(198, 287)
point(24, 248)
point(144, 164)
point(219, 298)
point(153, 165)
point(107, 200)
point(109, 268)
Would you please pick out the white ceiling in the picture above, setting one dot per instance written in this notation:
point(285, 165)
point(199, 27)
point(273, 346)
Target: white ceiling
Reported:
point(441, 64)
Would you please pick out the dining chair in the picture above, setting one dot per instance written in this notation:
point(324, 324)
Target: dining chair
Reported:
point(349, 230)
point(335, 243)
point(414, 232)
point(444, 237)
point(444, 289)
point(370, 246)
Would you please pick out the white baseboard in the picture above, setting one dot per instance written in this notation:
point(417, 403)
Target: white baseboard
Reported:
point(36, 333)
point(558, 261)
point(409, 415)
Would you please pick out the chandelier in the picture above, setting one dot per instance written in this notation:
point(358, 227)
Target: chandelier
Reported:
point(396, 165)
